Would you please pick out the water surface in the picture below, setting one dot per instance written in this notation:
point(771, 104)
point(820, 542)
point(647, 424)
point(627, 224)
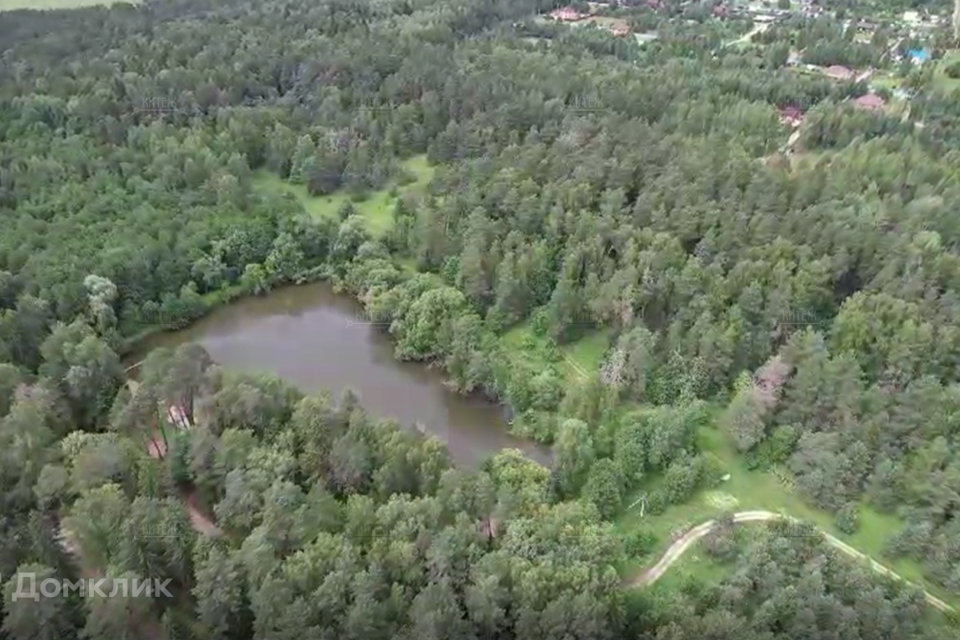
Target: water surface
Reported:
point(317, 340)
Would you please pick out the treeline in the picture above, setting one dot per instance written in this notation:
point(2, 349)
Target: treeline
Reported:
point(788, 584)
point(329, 523)
point(575, 191)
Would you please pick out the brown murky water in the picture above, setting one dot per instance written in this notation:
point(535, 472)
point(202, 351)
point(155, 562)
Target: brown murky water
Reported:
point(318, 340)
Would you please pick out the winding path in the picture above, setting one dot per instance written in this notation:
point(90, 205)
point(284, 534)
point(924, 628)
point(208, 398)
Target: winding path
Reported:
point(691, 537)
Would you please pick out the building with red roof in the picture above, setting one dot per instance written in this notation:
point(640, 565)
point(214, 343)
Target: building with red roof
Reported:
point(791, 116)
point(870, 102)
point(839, 73)
point(567, 14)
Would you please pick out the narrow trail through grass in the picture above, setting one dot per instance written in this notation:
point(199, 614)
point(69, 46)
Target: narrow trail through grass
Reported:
point(691, 537)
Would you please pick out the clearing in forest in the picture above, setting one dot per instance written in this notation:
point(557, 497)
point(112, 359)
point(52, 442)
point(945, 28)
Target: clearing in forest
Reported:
point(577, 361)
point(763, 490)
point(377, 208)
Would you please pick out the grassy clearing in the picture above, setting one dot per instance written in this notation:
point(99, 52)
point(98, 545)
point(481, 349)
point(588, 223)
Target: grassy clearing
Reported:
point(377, 208)
point(941, 81)
point(577, 359)
point(768, 491)
point(885, 81)
point(50, 5)
point(698, 566)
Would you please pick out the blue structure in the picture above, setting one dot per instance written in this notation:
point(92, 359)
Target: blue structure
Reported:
point(919, 56)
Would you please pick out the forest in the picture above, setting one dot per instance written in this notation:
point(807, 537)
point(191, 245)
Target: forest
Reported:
point(804, 304)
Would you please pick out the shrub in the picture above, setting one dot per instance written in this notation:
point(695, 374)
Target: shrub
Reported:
point(953, 70)
point(657, 503)
point(848, 518)
point(640, 542)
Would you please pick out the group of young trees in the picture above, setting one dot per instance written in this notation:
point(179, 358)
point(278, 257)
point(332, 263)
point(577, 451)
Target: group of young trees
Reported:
point(329, 523)
point(779, 575)
point(580, 185)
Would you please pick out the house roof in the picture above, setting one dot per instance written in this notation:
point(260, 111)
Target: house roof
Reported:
point(791, 112)
point(870, 101)
point(919, 54)
point(837, 71)
point(566, 13)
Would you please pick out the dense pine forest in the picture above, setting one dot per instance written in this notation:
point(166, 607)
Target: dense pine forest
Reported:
point(803, 306)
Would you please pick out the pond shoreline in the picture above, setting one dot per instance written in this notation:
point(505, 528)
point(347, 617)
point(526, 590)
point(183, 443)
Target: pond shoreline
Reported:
point(315, 338)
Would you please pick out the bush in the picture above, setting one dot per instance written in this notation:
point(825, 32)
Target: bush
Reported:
point(721, 544)
point(603, 488)
point(848, 518)
point(345, 210)
point(640, 543)
point(681, 479)
point(406, 177)
point(540, 322)
point(953, 70)
point(712, 472)
point(657, 503)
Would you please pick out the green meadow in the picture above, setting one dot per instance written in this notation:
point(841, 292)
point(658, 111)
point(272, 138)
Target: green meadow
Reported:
point(376, 208)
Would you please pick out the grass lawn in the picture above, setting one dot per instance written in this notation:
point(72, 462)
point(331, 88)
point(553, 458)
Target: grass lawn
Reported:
point(885, 81)
point(12, 5)
point(377, 209)
point(748, 490)
point(941, 81)
point(697, 565)
point(578, 358)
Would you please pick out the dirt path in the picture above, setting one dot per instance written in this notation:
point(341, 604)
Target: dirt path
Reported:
point(580, 371)
point(758, 27)
point(200, 521)
point(685, 542)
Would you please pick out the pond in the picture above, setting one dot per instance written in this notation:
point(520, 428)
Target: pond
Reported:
point(317, 339)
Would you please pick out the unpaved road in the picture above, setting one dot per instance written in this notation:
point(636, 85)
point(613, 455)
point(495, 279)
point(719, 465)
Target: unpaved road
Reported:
point(691, 537)
point(758, 27)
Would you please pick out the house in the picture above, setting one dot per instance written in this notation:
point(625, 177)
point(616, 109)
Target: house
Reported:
point(912, 17)
point(567, 14)
point(918, 56)
point(791, 116)
point(838, 72)
point(619, 30)
point(870, 102)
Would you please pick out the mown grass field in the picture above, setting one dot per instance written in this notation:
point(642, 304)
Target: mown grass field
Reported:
point(49, 5)
point(377, 208)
